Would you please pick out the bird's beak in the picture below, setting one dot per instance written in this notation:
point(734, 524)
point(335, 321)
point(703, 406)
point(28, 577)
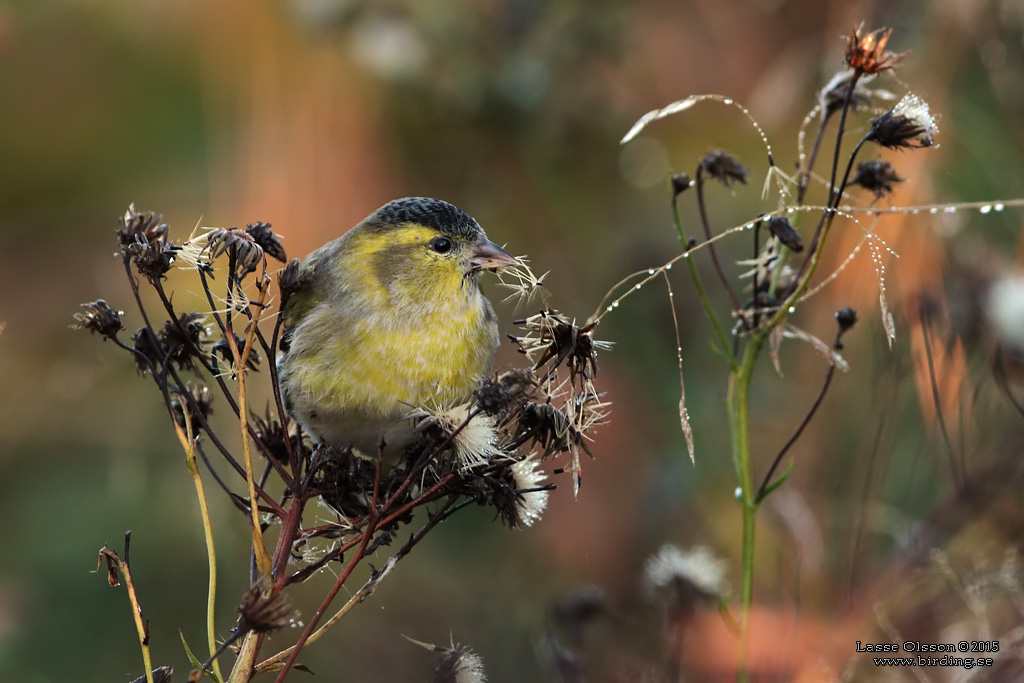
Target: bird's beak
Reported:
point(487, 255)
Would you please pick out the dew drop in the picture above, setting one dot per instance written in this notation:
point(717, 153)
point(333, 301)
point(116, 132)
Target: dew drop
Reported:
point(650, 271)
point(669, 266)
point(738, 493)
point(637, 287)
point(985, 209)
point(615, 304)
point(792, 309)
point(608, 310)
point(950, 209)
point(727, 101)
point(934, 209)
point(915, 211)
point(999, 206)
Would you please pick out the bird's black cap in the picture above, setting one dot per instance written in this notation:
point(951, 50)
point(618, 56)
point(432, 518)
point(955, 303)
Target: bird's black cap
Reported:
point(432, 213)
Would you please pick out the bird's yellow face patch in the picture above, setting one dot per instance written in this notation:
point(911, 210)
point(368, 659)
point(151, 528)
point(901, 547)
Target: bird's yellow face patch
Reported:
point(406, 263)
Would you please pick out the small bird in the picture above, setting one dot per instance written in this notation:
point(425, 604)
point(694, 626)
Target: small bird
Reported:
point(388, 318)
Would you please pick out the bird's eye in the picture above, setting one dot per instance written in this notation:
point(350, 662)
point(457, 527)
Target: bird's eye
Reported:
point(442, 245)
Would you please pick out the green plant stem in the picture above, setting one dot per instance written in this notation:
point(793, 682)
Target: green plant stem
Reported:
point(709, 312)
point(739, 422)
point(187, 439)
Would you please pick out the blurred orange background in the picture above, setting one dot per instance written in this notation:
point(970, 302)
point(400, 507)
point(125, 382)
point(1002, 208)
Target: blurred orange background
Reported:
point(309, 114)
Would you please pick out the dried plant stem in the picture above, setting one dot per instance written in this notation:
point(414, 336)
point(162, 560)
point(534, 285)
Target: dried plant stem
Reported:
point(275, 662)
point(368, 533)
point(187, 439)
point(702, 294)
point(263, 563)
point(140, 627)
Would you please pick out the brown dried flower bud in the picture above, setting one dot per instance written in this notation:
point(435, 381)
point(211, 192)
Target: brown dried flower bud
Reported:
point(865, 52)
point(780, 227)
point(240, 245)
point(724, 167)
point(99, 318)
point(268, 240)
point(876, 176)
point(262, 610)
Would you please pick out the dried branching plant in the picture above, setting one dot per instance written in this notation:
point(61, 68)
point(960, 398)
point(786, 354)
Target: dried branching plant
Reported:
point(788, 241)
point(487, 452)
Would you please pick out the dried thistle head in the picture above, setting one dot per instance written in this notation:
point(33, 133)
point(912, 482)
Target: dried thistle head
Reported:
point(100, 319)
point(240, 246)
point(724, 167)
point(551, 340)
point(504, 395)
point(472, 434)
point(263, 610)
point(686, 578)
point(343, 480)
point(199, 400)
point(144, 239)
point(180, 341)
point(907, 125)
point(267, 239)
point(290, 280)
point(876, 176)
point(865, 52)
point(273, 435)
point(459, 664)
point(139, 228)
point(531, 498)
point(223, 349)
point(833, 96)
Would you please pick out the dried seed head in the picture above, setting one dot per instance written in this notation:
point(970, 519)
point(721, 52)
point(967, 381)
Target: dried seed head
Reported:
point(199, 400)
point(724, 167)
point(343, 480)
point(99, 318)
point(832, 97)
point(865, 52)
point(474, 438)
point(290, 281)
point(183, 339)
point(267, 239)
point(240, 246)
point(680, 183)
point(552, 340)
point(271, 433)
point(689, 578)
point(179, 342)
point(780, 227)
point(505, 394)
point(263, 611)
point(143, 238)
point(876, 176)
point(459, 665)
point(223, 349)
point(907, 125)
point(530, 502)
point(141, 229)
